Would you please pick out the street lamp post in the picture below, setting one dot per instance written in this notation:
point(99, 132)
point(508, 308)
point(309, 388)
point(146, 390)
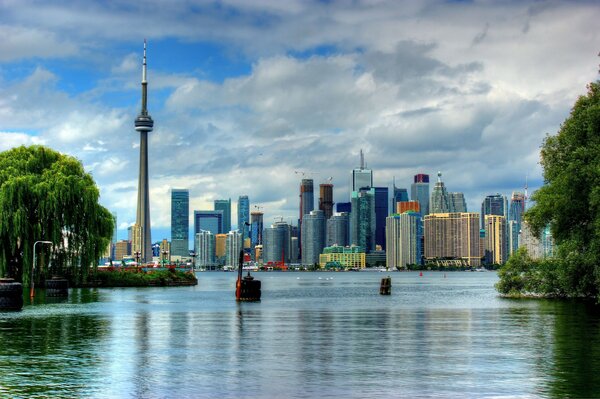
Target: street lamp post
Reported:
point(32, 288)
point(137, 259)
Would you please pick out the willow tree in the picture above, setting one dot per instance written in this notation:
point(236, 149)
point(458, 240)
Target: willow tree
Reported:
point(46, 195)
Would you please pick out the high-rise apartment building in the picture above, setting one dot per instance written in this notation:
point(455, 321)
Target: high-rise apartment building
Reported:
point(233, 246)
point(326, 199)
point(220, 247)
point(495, 204)
point(406, 206)
point(452, 236)
point(122, 249)
point(362, 219)
point(398, 195)
point(243, 212)
point(338, 229)
point(313, 237)
point(381, 212)
point(307, 197)
point(180, 222)
point(403, 235)
point(456, 202)
point(224, 205)
point(419, 191)
point(277, 243)
point(439, 197)
point(208, 220)
point(495, 239)
point(204, 247)
point(362, 177)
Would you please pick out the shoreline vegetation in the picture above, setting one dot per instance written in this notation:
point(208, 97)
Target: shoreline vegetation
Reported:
point(569, 204)
point(132, 277)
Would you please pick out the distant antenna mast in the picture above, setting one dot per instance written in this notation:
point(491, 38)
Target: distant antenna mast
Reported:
point(362, 159)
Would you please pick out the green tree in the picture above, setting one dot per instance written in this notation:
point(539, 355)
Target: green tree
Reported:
point(45, 195)
point(569, 200)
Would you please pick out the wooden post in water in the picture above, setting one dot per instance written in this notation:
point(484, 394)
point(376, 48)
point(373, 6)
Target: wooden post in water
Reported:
point(386, 286)
point(247, 289)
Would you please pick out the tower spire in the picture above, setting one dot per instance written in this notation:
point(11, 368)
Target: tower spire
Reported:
point(143, 124)
point(362, 159)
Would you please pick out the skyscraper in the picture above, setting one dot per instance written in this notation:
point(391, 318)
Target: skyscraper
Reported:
point(439, 197)
point(225, 206)
point(256, 232)
point(452, 236)
point(362, 177)
point(398, 195)
point(277, 243)
point(419, 191)
point(495, 239)
point(205, 249)
point(381, 212)
point(515, 216)
point(403, 235)
point(307, 197)
point(343, 207)
point(338, 230)
point(313, 237)
point(208, 220)
point(456, 202)
point(233, 246)
point(362, 219)
point(243, 215)
point(144, 125)
point(326, 199)
point(495, 204)
point(180, 221)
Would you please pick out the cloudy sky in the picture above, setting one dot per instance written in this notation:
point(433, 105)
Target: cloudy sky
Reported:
point(244, 94)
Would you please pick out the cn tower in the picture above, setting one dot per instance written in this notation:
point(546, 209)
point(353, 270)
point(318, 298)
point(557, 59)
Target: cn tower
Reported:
point(144, 124)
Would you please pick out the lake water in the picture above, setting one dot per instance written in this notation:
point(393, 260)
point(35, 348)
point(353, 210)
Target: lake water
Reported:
point(313, 335)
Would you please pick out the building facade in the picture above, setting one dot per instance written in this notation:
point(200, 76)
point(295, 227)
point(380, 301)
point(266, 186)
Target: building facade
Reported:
point(452, 239)
point(495, 239)
point(439, 197)
point(456, 203)
point(277, 243)
point(313, 237)
point(208, 220)
point(224, 205)
point(406, 206)
point(403, 234)
point(419, 191)
point(233, 246)
point(362, 219)
point(204, 248)
point(338, 230)
point(307, 197)
point(180, 222)
point(326, 199)
point(337, 256)
point(381, 212)
point(243, 215)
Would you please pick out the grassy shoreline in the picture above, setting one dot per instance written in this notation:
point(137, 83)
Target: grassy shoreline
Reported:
point(139, 278)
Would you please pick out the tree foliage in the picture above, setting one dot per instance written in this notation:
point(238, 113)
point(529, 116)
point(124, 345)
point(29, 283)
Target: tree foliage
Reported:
point(569, 202)
point(45, 195)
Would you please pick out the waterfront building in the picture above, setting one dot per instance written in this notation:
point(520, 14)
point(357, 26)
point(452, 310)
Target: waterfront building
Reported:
point(381, 212)
point(414, 206)
point(312, 236)
point(376, 258)
point(277, 242)
point(326, 199)
point(419, 191)
point(204, 248)
point(180, 221)
point(233, 246)
point(515, 216)
point(307, 197)
point(343, 207)
point(362, 219)
point(208, 220)
point(295, 249)
point(439, 197)
point(144, 125)
point(338, 229)
point(452, 239)
point(403, 234)
point(122, 249)
point(337, 256)
point(513, 229)
point(495, 204)
point(456, 203)
point(362, 177)
point(495, 239)
point(243, 215)
point(220, 248)
point(224, 206)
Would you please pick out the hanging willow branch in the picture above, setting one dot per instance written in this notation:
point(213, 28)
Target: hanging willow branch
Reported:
point(45, 195)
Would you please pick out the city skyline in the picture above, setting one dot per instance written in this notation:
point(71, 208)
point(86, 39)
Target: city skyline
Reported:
point(240, 108)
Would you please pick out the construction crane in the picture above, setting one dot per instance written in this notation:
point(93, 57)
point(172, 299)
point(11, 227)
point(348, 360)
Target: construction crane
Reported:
point(305, 173)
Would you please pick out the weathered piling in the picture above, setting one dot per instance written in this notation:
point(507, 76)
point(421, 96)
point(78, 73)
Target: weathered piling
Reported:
point(386, 286)
point(11, 295)
point(247, 289)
